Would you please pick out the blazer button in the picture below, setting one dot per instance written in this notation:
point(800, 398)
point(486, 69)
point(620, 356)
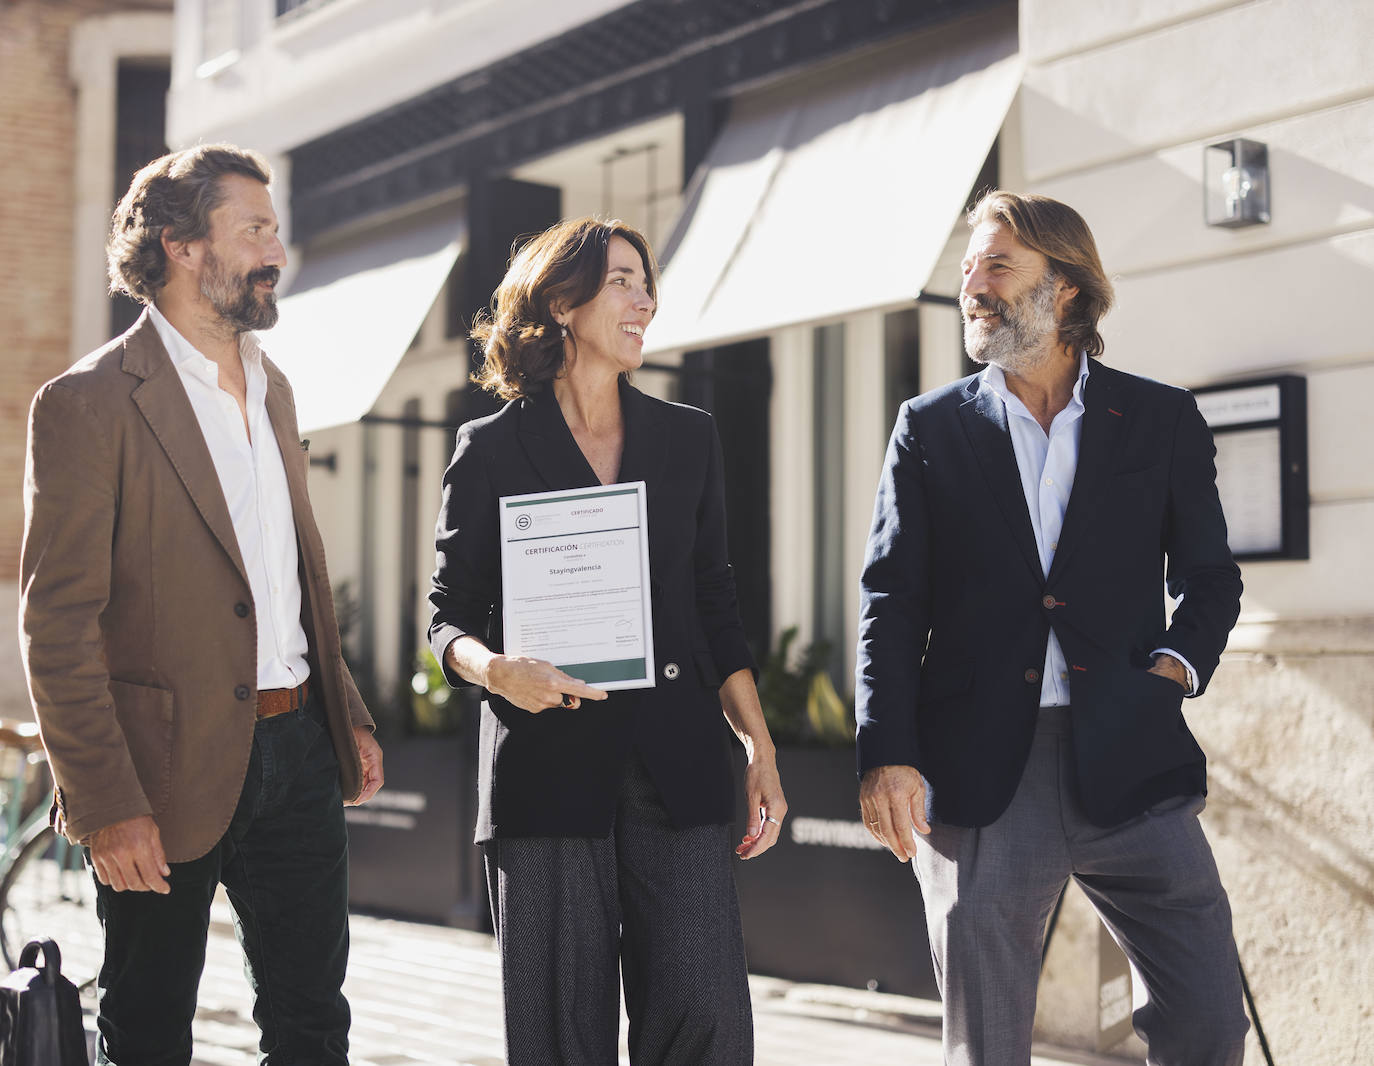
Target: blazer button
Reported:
point(1031, 676)
point(242, 692)
point(671, 670)
point(1047, 602)
point(241, 609)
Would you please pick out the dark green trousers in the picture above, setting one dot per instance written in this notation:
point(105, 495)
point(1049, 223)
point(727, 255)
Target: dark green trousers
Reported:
point(284, 864)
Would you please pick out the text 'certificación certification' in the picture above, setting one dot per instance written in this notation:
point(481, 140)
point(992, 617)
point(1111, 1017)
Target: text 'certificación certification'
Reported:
point(575, 575)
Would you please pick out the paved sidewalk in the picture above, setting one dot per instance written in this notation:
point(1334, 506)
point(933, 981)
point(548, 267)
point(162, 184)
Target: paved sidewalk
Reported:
point(425, 994)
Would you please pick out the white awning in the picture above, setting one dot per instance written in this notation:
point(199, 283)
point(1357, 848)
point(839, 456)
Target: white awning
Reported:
point(837, 198)
point(352, 312)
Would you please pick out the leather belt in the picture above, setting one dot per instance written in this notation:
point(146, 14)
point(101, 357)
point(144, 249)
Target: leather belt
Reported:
point(275, 701)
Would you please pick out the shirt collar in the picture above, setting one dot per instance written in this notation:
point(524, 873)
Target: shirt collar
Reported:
point(996, 379)
point(185, 355)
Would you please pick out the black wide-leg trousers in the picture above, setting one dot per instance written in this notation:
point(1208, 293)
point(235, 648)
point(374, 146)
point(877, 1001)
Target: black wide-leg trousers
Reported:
point(651, 903)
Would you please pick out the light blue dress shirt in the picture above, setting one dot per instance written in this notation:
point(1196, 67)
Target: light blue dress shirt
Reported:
point(1047, 464)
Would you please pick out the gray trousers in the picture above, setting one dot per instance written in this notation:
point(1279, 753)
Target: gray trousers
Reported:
point(655, 902)
point(988, 894)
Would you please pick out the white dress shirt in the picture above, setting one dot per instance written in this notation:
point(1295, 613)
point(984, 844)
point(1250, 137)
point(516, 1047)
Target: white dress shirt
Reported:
point(1047, 464)
point(253, 478)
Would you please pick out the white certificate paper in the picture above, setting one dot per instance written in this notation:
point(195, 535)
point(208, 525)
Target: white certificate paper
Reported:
point(575, 577)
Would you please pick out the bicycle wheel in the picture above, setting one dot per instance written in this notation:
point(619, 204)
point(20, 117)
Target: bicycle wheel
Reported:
point(49, 892)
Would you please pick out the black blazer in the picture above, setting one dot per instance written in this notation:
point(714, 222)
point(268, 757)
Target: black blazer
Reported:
point(956, 611)
point(558, 773)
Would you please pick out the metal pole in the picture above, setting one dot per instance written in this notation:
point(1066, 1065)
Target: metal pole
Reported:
point(1254, 1014)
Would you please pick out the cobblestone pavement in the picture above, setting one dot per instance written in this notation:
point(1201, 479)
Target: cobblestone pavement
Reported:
point(425, 994)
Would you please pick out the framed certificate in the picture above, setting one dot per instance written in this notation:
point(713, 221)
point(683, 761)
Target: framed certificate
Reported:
point(575, 576)
point(1260, 430)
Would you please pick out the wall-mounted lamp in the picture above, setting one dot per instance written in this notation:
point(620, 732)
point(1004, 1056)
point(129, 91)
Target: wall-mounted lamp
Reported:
point(1235, 183)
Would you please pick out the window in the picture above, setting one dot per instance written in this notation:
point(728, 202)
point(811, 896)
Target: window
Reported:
point(288, 7)
point(734, 383)
point(140, 117)
point(901, 362)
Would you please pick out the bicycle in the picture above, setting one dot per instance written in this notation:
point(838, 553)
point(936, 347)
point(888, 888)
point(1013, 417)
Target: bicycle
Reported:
point(45, 888)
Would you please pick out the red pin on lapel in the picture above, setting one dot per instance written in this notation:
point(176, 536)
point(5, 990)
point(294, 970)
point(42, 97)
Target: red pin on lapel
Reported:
point(1114, 411)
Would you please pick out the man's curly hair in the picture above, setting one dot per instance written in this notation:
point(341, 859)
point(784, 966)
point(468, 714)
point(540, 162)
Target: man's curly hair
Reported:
point(172, 196)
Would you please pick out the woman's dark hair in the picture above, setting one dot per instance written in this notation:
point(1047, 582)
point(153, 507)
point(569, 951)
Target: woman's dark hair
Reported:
point(1059, 233)
point(172, 196)
point(564, 267)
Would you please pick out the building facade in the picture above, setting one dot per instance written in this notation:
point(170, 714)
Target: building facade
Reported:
point(414, 143)
point(802, 166)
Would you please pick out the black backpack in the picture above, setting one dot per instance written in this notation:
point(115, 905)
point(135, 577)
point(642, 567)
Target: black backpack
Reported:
point(40, 1012)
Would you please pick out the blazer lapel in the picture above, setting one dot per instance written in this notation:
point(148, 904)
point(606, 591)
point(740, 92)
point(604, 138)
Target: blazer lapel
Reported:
point(1104, 419)
point(555, 456)
point(549, 444)
point(281, 413)
point(646, 437)
point(163, 402)
point(985, 421)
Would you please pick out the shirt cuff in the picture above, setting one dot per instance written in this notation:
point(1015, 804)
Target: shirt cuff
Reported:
point(1187, 666)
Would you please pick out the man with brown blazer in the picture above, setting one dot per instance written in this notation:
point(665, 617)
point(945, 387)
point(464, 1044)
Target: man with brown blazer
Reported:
point(179, 636)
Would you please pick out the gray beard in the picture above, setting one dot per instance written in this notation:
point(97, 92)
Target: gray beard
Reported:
point(1016, 343)
point(233, 298)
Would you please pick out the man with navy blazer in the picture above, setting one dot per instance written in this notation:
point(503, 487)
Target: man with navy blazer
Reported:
point(1019, 688)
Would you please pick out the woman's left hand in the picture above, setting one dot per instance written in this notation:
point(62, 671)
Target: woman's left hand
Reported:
point(767, 805)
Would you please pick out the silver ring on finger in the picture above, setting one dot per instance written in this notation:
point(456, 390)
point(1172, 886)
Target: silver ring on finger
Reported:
point(770, 818)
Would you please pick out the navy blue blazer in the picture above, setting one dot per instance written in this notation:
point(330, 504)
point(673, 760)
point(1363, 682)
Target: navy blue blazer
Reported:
point(558, 773)
point(956, 611)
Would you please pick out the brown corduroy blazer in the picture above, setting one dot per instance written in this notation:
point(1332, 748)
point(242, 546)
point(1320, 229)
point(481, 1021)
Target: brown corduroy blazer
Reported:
point(138, 628)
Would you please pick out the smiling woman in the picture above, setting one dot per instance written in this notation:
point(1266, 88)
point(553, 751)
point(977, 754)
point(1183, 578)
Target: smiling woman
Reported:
point(604, 816)
point(610, 326)
point(565, 271)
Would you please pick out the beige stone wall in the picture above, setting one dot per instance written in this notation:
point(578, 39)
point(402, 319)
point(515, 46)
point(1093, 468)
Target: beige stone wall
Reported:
point(1290, 737)
point(1118, 104)
point(1288, 726)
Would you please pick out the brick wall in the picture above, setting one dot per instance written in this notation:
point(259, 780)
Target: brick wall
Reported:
point(37, 127)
